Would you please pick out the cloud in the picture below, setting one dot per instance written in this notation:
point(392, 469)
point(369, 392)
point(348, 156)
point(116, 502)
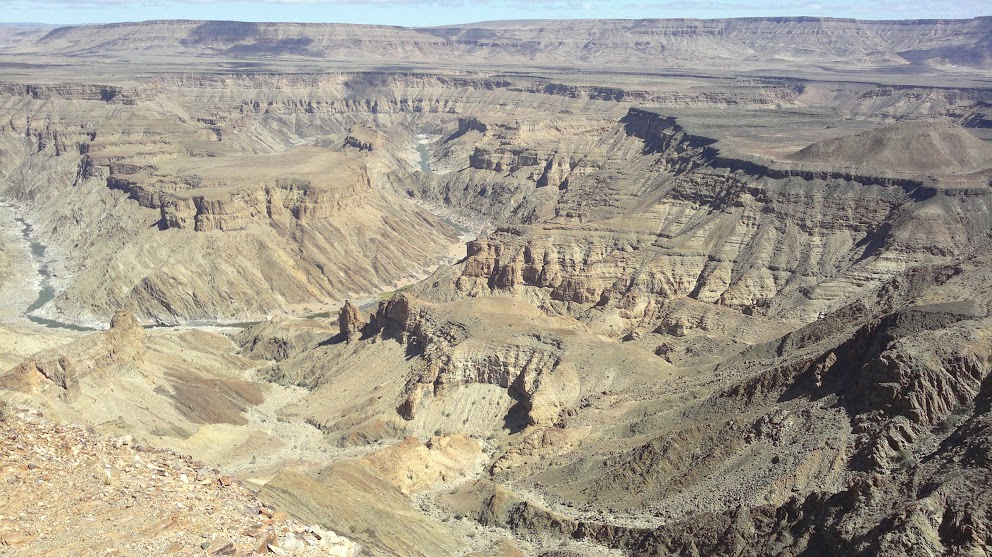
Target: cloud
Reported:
point(423, 11)
point(702, 5)
point(132, 3)
point(879, 9)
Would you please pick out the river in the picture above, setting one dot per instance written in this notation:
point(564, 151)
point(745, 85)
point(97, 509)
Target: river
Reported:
point(425, 156)
point(47, 291)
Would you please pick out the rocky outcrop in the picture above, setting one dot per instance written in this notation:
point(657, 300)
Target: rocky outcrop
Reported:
point(279, 339)
point(363, 138)
point(907, 383)
point(350, 322)
point(82, 92)
point(232, 209)
point(883, 354)
point(669, 344)
point(126, 338)
point(717, 236)
point(34, 375)
point(526, 365)
point(245, 235)
point(120, 348)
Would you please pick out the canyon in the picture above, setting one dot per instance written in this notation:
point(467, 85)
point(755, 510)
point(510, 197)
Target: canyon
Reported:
point(583, 288)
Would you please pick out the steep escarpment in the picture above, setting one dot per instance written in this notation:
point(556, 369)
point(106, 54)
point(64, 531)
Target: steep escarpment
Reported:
point(794, 433)
point(767, 239)
point(849, 432)
point(455, 353)
point(115, 222)
point(268, 169)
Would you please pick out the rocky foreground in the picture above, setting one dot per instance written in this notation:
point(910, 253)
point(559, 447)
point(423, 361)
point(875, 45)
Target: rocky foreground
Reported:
point(68, 491)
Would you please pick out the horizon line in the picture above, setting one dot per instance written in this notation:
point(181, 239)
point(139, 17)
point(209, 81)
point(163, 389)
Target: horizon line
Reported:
point(495, 21)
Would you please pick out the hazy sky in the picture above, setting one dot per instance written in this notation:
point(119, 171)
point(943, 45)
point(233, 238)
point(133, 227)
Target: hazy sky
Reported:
point(439, 12)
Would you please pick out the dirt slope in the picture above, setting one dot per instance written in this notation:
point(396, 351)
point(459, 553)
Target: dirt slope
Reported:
point(927, 146)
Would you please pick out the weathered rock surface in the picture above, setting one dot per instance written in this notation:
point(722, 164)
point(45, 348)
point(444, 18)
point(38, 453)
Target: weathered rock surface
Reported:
point(69, 491)
point(350, 322)
point(769, 240)
point(866, 401)
point(148, 387)
point(279, 338)
point(180, 223)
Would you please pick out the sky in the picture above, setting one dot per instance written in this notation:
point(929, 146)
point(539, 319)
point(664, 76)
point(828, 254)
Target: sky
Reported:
point(413, 13)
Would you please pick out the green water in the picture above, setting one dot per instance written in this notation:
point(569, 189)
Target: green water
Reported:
point(47, 292)
point(425, 158)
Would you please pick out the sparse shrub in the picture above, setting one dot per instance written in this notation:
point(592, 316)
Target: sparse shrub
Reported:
point(3, 411)
point(948, 424)
point(954, 419)
point(906, 459)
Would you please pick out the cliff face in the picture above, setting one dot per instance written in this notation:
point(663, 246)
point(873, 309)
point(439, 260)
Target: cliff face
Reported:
point(198, 217)
point(234, 193)
point(872, 415)
point(266, 160)
point(647, 213)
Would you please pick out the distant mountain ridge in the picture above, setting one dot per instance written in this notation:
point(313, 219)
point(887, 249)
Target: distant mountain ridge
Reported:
point(30, 25)
point(755, 43)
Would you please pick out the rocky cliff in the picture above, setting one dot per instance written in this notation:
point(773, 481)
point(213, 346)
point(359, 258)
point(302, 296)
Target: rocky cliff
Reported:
point(701, 224)
point(138, 220)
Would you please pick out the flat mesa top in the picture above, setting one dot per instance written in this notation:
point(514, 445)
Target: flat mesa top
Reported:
point(921, 52)
point(306, 162)
point(217, 177)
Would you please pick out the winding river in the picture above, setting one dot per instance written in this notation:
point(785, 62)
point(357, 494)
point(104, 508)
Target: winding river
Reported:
point(425, 156)
point(47, 291)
